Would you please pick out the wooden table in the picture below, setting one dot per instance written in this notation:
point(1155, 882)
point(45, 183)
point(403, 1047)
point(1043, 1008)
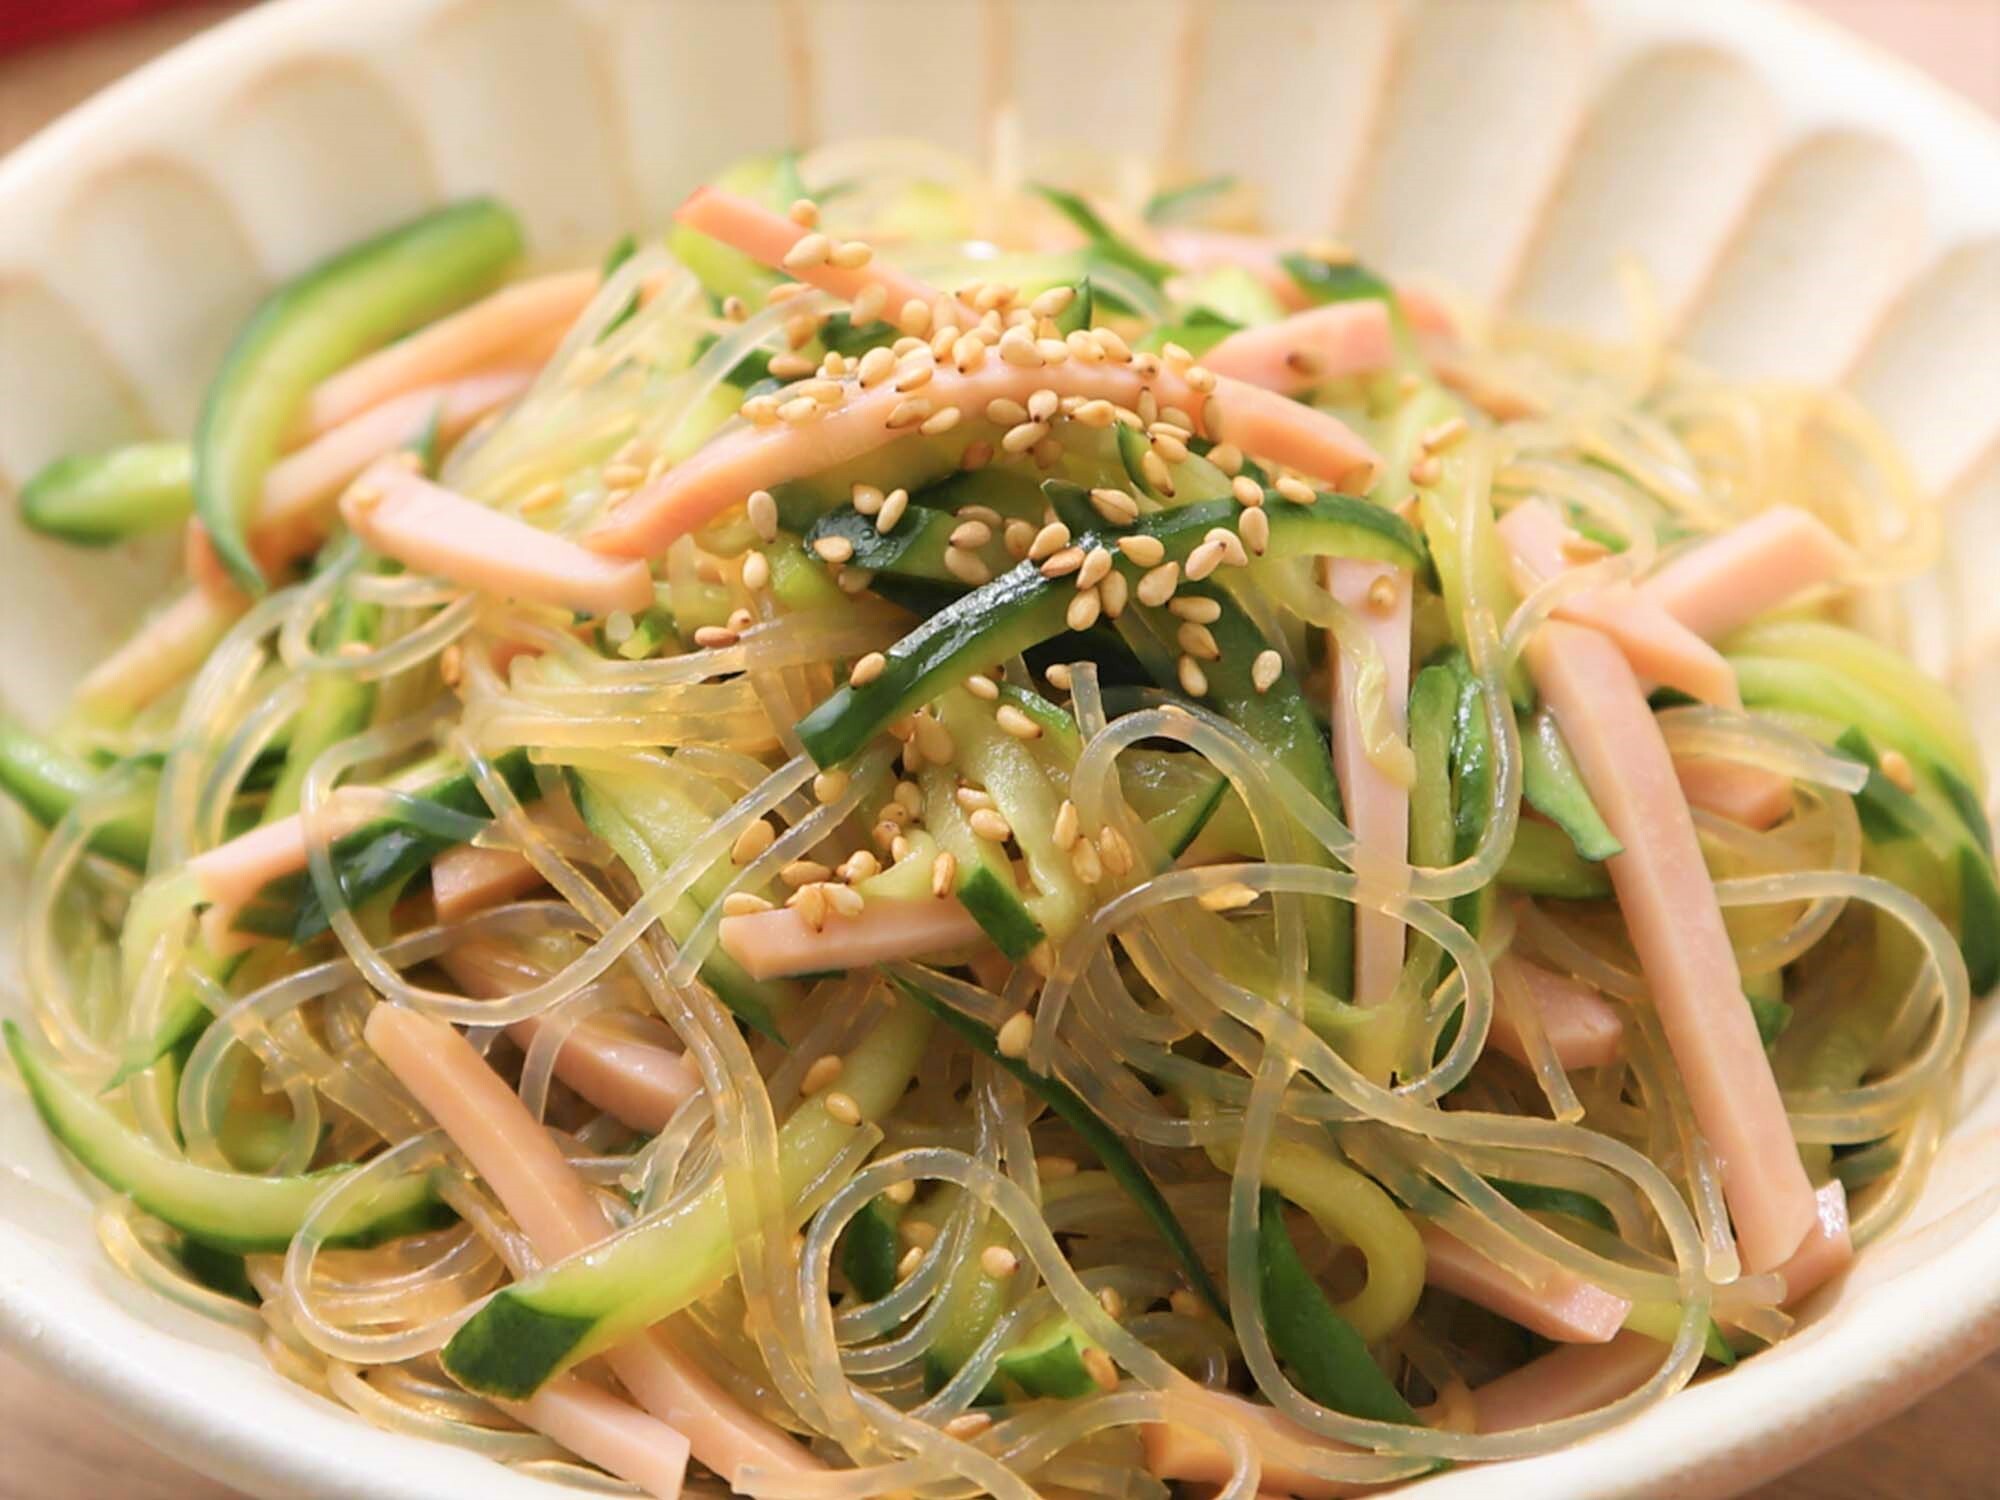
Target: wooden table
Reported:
point(54, 1447)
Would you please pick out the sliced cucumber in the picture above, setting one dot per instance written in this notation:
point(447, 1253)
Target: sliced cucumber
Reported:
point(1050, 1362)
point(310, 327)
point(972, 1302)
point(94, 499)
point(1554, 788)
point(224, 1210)
point(914, 548)
point(1543, 862)
point(1176, 795)
point(986, 885)
point(47, 781)
point(869, 1250)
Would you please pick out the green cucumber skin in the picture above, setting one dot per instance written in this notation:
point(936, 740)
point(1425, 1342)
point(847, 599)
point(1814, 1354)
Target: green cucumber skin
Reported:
point(870, 1251)
point(248, 1215)
point(1050, 1365)
point(47, 781)
point(1552, 786)
point(1543, 862)
point(95, 499)
point(999, 913)
point(317, 323)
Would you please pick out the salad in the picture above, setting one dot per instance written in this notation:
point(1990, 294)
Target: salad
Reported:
point(950, 837)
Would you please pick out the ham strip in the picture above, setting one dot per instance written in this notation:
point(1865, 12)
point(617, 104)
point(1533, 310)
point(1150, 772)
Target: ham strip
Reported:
point(1827, 1249)
point(1743, 794)
point(296, 507)
point(1539, 548)
point(233, 872)
point(1378, 808)
point(1567, 1382)
point(434, 530)
point(1583, 1027)
point(1181, 1451)
point(629, 1079)
point(768, 237)
point(1308, 348)
point(1727, 581)
point(773, 944)
point(615, 1435)
point(161, 654)
point(526, 1170)
point(511, 326)
point(1565, 1308)
point(746, 458)
point(1670, 910)
point(469, 878)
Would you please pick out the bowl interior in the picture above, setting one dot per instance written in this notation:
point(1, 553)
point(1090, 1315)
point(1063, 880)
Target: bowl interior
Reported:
point(1808, 210)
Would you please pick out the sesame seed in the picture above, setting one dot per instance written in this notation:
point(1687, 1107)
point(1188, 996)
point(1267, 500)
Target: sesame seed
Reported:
point(876, 366)
point(1098, 414)
point(1158, 585)
point(887, 833)
point(1066, 826)
point(1058, 676)
point(1265, 669)
point(1146, 367)
point(803, 872)
point(1145, 551)
point(1113, 1304)
point(1295, 490)
point(801, 330)
point(1113, 594)
point(1003, 412)
point(845, 900)
point(907, 1267)
point(1194, 681)
point(743, 904)
point(784, 292)
point(1020, 352)
point(1226, 897)
point(1084, 349)
point(1063, 563)
point(1231, 545)
point(1254, 526)
point(1103, 1373)
point(1382, 594)
point(915, 317)
point(1227, 457)
point(1096, 563)
point(714, 637)
point(1426, 471)
point(935, 740)
point(1050, 540)
point(944, 874)
point(834, 549)
point(967, 567)
point(894, 504)
point(1015, 1034)
point(972, 798)
point(971, 534)
point(1198, 641)
point(909, 413)
point(1896, 768)
point(859, 866)
point(756, 572)
point(866, 499)
point(804, 212)
point(1017, 723)
point(1248, 492)
point(799, 410)
point(1175, 355)
point(622, 476)
point(821, 1075)
point(851, 255)
point(968, 353)
point(909, 796)
point(1114, 347)
point(451, 661)
point(1204, 560)
point(869, 302)
point(843, 1109)
point(1085, 863)
point(1579, 548)
point(811, 250)
point(1116, 506)
point(967, 1425)
point(900, 1192)
point(1042, 404)
point(790, 366)
point(734, 309)
point(982, 686)
point(542, 496)
point(1053, 303)
point(984, 513)
point(809, 902)
point(867, 669)
point(1170, 448)
point(1153, 469)
point(940, 422)
point(1196, 608)
point(1020, 439)
point(914, 373)
point(988, 823)
point(760, 411)
point(1083, 610)
point(829, 786)
point(1437, 439)
point(1186, 1304)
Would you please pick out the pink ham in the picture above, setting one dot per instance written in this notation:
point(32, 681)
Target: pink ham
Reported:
point(160, 655)
point(768, 238)
point(1378, 808)
point(1827, 1249)
point(1583, 1027)
point(1199, 250)
point(1657, 645)
point(469, 878)
point(771, 944)
point(232, 873)
point(434, 530)
point(629, 1079)
point(747, 458)
point(1727, 581)
point(1565, 1308)
point(1749, 795)
point(528, 1173)
point(1676, 927)
point(1567, 1382)
point(613, 1434)
point(297, 504)
point(513, 326)
point(1308, 348)
point(1188, 1453)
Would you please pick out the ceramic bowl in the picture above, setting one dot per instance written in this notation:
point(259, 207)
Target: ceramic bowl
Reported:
point(1808, 209)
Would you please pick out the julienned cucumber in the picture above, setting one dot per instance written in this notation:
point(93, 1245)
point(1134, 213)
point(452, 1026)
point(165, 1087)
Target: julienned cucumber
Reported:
point(310, 327)
point(47, 781)
point(985, 883)
point(1554, 788)
point(1543, 862)
point(224, 1210)
point(94, 499)
point(537, 1328)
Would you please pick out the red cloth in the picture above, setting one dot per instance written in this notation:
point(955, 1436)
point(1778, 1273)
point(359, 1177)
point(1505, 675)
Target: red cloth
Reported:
point(24, 22)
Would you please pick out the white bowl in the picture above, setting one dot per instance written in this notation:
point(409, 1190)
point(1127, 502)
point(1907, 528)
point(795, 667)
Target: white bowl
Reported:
point(1810, 209)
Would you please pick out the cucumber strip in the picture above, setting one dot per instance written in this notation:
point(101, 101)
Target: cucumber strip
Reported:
point(1198, 331)
point(1335, 281)
point(378, 858)
point(47, 781)
point(997, 620)
point(310, 327)
point(1171, 205)
point(1543, 862)
point(1316, 1344)
point(869, 1250)
point(1536, 1198)
point(1105, 242)
point(94, 499)
point(1471, 786)
point(1552, 786)
point(1050, 1362)
point(1334, 525)
point(647, 823)
point(723, 270)
point(914, 548)
point(986, 886)
point(539, 1327)
point(972, 1303)
point(1176, 795)
point(1109, 1147)
point(229, 1211)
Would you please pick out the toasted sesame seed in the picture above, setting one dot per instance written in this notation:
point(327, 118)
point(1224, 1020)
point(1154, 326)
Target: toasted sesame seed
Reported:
point(1017, 723)
point(1198, 641)
point(845, 900)
point(859, 866)
point(867, 669)
point(935, 740)
point(1066, 826)
point(1042, 404)
point(1382, 594)
point(1083, 610)
point(909, 796)
point(971, 534)
point(1247, 491)
point(988, 823)
point(714, 637)
point(799, 410)
point(1085, 862)
point(804, 212)
point(909, 413)
point(1153, 469)
point(1020, 352)
point(1113, 1304)
point(894, 504)
point(622, 476)
point(1254, 526)
point(1052, 350)
point(451, 660)
point(968, 1425)
point(968, 353)
point(1426, 471)
point(912, 374)
point(743, 904)
point(967, 567)
point(811, 250)
point(760, 411)
point(834, 549)
point(866, 499)
point(1226, 897)
point(1227, 457)
point(784, 291)
point(851, 255)
point(1003, 412)
point(1295, 490)
point(1053, 303)
point(899, 847)
point(1096, 563)
point(756, 572)
point(914, 317)
point(1898, 771)
point(1020, 439)
point(972, 798)
point(1063, 563)
point(1170, 448)
point(869, 302)
point(1264, 671)
point(790, 366)
point(1231, 545)
point(1146, 367)
point(1116, 506)
point(822, 1074)
point(1204, 560)
point(1050, 540)
point(906, 1268)
point(998, 1261)
point(802, 330)
point(982, 686)
point(1113, 594)
point(1058, 675)
point(1084, 349)
point(1194, 681)
point(940, 422)
point(887, 833)
point(1437, 439)
point(809, 901)
point(1015, 1034)
point(829, 786)
point(1114, 347)
point(1097, 1364)
point(876, 366)
point(843, 1109)
point(944, 874)
point(1196, 608)
point(1158, 585)
point(803, 872)
point(900, 1192)
point(542, 496)
point(734, 310)
point(1186, 1304)
point(1145, 551)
